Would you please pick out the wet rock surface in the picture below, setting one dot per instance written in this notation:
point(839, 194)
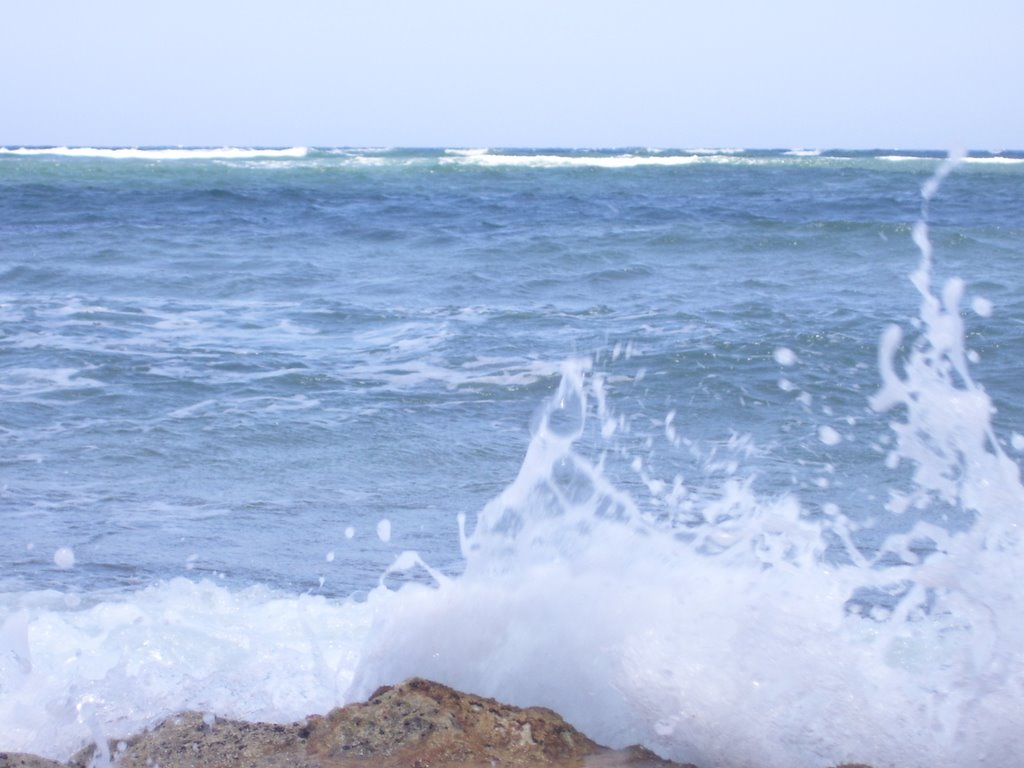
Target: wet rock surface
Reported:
point(417, 724)
point(18, 760)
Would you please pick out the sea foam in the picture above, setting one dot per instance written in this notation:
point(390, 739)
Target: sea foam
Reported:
point(75, 666)
point(580, 161)
point(160, 153)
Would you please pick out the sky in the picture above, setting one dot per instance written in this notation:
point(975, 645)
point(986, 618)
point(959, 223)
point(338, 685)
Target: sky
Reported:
point(908, 74)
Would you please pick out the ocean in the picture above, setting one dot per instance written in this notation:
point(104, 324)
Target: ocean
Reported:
point(711, 450)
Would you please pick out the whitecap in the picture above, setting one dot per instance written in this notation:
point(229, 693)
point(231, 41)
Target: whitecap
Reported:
point(467, 152)
point(161, 153)
point(570, 161)
point(994, 160)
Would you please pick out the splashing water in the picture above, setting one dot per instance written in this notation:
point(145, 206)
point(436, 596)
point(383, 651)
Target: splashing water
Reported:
point(747, 631)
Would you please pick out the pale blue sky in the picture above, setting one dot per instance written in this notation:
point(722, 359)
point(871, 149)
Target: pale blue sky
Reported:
point(722, 73)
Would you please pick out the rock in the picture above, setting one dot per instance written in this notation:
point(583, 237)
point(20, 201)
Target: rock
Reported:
point(420, 723)
point(19, 760)
point(189, 740)
point(417, 724)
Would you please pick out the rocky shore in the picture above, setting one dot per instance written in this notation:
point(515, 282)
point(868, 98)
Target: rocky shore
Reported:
point(417, 724)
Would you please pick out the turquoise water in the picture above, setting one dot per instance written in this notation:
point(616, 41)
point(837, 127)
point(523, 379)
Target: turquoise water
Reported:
point(254, 378)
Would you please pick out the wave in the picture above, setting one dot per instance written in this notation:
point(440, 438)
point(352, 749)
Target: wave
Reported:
point(906, 158)
point(467, 152)
point(669, 158)
point(997, 160)
point(160, 153)
point(482, 157)
point(487, 159)
point(718, 151)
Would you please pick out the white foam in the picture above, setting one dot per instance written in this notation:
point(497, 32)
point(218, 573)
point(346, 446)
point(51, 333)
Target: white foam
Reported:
point(576, 161)
point(359, 150)
point(994, 160)
point(417, 371)
point(135, 659)
point(908, 158)
point(467, 152)
point(708, 151)
point(729, 640)
point(36, 381)
point(164, 153)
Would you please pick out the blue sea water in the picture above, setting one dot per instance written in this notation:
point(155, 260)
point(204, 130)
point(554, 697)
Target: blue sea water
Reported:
point(237, 385)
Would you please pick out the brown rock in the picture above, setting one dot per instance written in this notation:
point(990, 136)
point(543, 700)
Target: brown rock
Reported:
point(418, 724)
point(188, 741)
point(19, 760)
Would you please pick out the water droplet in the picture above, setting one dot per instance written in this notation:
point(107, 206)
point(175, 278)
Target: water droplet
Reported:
point(982, 306)
point(829, 436)
point(784, 356)
point(64, 558)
